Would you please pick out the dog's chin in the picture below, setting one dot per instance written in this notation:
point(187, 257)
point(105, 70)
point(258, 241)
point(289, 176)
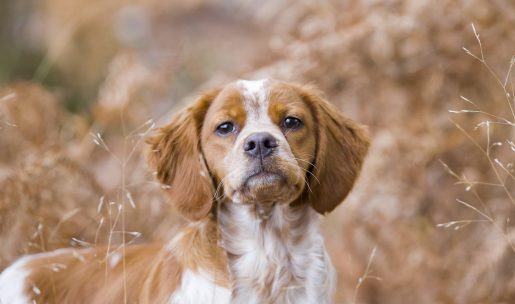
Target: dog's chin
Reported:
point(266, 188)
point(263, 181)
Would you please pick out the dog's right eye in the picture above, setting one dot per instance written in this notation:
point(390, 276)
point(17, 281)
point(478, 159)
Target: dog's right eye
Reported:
point(225, 128)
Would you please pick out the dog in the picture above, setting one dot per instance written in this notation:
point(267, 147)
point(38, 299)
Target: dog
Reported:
point(251, 165)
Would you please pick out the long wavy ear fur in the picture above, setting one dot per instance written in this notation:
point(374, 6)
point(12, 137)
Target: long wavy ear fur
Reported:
point(176, 157)
point(341, 147)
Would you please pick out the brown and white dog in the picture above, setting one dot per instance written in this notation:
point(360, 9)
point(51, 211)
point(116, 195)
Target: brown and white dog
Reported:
point(251, 165)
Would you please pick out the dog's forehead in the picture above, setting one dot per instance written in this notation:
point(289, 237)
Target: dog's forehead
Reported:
point(256, 100)
point(244, 98)
point(255, 95)
point(254, 90)
point(259, 93)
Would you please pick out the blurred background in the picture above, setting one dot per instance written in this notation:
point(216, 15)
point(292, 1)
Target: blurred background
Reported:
point(82, 83)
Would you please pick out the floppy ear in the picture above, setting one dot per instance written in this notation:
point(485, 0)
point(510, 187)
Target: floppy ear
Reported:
point(341, 147)
point(176, 157)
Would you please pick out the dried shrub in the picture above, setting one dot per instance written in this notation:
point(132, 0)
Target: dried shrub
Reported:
point(45, 204)
point(30, 119)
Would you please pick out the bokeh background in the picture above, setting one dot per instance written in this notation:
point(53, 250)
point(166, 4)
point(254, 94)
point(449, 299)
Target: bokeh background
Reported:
point(82, 83)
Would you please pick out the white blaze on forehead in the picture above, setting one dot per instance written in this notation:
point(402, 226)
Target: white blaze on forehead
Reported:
point(255, 102)
point(253, 87)
point(255, 98)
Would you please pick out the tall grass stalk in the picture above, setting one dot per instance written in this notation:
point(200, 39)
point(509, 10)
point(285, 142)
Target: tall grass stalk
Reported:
point(502, 170)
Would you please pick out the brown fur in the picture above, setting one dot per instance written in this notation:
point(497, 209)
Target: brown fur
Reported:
point(175, 156)
point(341, 148)
point(84, 277)
point(226, 106)
point(199, 249)
point(152, 272)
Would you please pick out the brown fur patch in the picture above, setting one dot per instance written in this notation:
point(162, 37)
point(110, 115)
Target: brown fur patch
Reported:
point(228, 106)
point(152, 272)
point(285, 101)
point(198, 249)
point(175, 155)
point(87, 277)
point(341, 148)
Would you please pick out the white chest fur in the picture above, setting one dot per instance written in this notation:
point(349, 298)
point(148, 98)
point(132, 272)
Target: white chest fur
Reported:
point(198, 287)
point(276, 254)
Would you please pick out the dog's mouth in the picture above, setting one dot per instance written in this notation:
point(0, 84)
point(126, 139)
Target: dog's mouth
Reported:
point(262, 178)
point(263, 184)
point(266, 182)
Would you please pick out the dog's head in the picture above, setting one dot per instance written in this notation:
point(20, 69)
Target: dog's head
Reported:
point(258, 142)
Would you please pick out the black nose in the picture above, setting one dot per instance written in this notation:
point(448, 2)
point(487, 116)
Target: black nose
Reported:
point(260, 144)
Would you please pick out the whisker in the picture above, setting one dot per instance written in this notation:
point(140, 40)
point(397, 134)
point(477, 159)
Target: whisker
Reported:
point(307, 184)
point(307, 171)
point(220, 184)
point(215, 195)
point(308, 162)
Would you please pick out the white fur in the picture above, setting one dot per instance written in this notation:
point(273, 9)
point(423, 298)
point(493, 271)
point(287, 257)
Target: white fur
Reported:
point(254, 87)
point(255, 102)
point(114, 259)
point(294, 268)
point(13, 283)
point(198, 287)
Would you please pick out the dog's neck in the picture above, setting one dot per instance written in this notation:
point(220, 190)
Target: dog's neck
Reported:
point(275, 253)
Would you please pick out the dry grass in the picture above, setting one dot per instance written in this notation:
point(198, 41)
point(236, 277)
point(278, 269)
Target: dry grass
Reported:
point(409, 233)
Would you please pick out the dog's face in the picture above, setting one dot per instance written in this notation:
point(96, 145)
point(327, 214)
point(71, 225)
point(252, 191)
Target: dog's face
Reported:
point(258, 142)
point(258, 139)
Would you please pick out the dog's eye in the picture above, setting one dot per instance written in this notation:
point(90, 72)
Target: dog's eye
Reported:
point(225, 128)
point(291, 122)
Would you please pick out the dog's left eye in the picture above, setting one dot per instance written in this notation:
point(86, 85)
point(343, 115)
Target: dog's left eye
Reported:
point(225, 128)
point(291, 122)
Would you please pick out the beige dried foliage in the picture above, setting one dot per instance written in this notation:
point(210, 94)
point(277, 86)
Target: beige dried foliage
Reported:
point(46, 203)
point(53, 185)
point(30, 119)
point(81, 38)
point(132, 85)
